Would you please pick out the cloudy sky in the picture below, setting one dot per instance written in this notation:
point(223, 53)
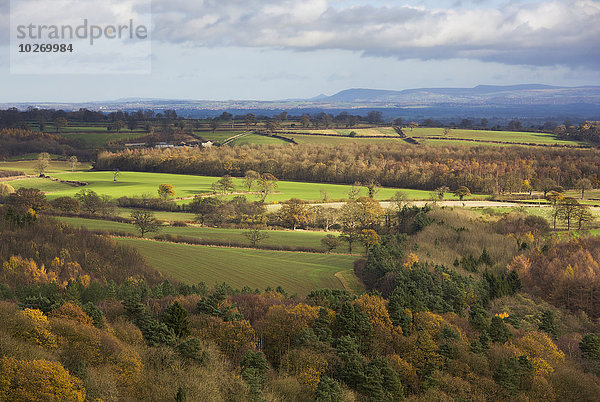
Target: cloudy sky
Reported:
point(276, 49)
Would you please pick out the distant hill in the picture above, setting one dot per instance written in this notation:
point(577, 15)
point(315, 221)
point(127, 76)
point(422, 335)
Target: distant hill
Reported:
point(530, 94)
point(535, 102)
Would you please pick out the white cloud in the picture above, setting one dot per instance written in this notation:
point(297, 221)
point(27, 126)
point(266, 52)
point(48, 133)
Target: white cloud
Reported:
point(542, 33)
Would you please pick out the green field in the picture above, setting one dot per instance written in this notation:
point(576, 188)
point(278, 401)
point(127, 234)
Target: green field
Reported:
point(256, 139)
point(217, 136)
point(276, 237)
point(186, 186)
point(97, 138)
point(484, 135)
point(28, 166)
point(295, 272)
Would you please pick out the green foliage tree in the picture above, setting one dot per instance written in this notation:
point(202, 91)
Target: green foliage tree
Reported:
point(255, 236)
point(547, 324)
point(192, 349)
point(28, 198)
point(328, 390)
point(205, 208)
point(498, 330)
point(590, 347)
point(225, 184)
point(176, 318)
point(330, 242)
point(145, 221)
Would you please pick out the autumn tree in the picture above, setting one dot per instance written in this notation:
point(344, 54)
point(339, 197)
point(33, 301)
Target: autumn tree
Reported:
point(325, 216)
point(38, 380)
point(74, 162)
point(250, 177)
point(566, 210)
point(5, 190)
point(42, 163)
point(165, 191)
point(145, 221)
point(294, 213)
point(583, 216)
point(583, 185)
point(28, 198)
point(267, 184)
point(462, 192)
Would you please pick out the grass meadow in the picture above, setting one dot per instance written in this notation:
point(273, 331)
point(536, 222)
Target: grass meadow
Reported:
point(286, 238)
point(295, 272)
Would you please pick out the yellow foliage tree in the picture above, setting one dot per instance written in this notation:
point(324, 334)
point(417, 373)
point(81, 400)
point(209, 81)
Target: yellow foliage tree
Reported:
point(38, 380)
point(543, 353)
point(282, 323)
point(21, 271)
point(307, 365)
point(32, 325)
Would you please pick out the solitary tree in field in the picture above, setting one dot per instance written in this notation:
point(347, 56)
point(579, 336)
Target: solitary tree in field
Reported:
point(42, 163)
point(440, 192)
point(250, 177)
point(446, 132)
point(214, 124)
point(225, 184)
point(60, 123)
point(145, 221)
point(266, 185)
point(165, 191)
point(462, 192)
point(74, 162)
point(255, 236)
point(583, 185)
point(116, 174)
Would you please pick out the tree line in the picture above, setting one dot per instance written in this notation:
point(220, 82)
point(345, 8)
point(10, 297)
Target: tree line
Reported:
point(482, 169)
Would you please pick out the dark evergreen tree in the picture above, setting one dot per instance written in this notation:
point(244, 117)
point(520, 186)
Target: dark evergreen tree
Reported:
point(176, 318)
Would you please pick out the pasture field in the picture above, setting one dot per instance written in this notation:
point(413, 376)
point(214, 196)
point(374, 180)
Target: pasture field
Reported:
point(370, 131)
point(339, 140)
point(186, 186)
point(98, 137)
point(28, 166)
point(217, 136)
point(485, 135)
point(276, 237)
point(256, 139)
point(295, 272)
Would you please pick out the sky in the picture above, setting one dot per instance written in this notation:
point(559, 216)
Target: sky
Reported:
point(281, 49)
